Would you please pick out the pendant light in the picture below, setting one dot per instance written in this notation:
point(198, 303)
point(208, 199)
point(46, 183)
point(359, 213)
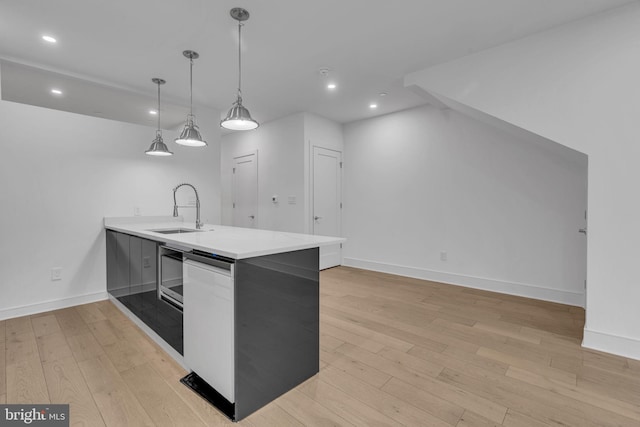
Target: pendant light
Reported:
point(158, 147)
point(190, 135)
point(239, 117)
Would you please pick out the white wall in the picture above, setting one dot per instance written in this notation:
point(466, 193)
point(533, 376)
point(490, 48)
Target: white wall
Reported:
point(283, 148)
point(506, 211)
point(61, 173)
point(577, 85)
point(280, 146)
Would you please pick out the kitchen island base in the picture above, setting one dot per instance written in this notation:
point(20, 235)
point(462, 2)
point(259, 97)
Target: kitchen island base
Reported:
point(276, 331)
point(277, 326)
point(250, 304)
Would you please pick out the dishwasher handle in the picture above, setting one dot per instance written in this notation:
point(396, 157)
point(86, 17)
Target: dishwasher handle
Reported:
point(175, 248)
point(215, 262)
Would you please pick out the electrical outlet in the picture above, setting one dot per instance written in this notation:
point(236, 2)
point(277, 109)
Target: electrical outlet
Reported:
point(192, 201)
point(443, 256)
point(136, 211)
point(146, 262)
point(56, 273)
point(292, 200)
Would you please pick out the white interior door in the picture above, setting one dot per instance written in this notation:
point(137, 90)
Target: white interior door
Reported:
point(575, 246)
point(583, 256)
point(327, 202)
point(245, 190)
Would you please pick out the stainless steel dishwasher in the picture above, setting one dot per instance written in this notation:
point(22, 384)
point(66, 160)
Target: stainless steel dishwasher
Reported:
point(209, 341)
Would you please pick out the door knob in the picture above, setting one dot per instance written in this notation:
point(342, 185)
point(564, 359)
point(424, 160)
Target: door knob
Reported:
point(583, 231)
point(317, 217)
point(252, 216)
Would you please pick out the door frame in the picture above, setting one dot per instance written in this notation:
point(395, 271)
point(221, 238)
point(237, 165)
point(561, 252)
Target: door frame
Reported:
point(233, 185)
point(311, 213)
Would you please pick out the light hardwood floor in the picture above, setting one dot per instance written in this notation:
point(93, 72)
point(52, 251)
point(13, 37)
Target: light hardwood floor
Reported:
point(394, 351)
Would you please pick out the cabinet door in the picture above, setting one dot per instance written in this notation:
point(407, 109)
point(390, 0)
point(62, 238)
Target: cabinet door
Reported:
point(112, 262)
point(134, 298)
point(143, 274)
point(121, 285)
point(149, 276)
point(135, 265)
point(149, 265)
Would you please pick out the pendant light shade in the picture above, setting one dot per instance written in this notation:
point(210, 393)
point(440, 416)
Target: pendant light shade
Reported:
point(190, 135)
point(238, 117)
point(158, 147)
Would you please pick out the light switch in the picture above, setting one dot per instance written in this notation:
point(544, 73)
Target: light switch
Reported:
point(292, 200)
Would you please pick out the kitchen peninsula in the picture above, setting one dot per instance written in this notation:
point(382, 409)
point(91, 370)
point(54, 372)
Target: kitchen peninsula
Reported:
point(243, 312)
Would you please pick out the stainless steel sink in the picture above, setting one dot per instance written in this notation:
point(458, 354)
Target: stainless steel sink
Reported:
point(176, 231)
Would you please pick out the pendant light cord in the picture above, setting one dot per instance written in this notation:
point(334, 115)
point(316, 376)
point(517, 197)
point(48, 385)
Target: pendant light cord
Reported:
point(239, 59)
point(191, 86)
point(158, 107)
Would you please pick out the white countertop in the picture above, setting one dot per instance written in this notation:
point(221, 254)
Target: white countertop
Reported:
point(231, 242)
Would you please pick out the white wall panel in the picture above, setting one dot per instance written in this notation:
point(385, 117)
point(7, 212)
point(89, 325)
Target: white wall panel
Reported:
point(505, 210)
point(280, 147)
point(61, 173)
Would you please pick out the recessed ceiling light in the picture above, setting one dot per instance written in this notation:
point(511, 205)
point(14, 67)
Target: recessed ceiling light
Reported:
point(331, 86)
point(153, 112)
point(373, 106)
point(56, 91)
point(383, 94)
point(49, 39)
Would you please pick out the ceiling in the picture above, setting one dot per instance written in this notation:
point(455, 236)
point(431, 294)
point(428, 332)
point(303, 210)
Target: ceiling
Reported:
point(108, 51)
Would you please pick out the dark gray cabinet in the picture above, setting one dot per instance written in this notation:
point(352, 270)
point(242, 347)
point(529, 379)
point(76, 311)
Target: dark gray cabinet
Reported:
point(132, 278)
point(118, 265)
point(131, 264)
point(277, 312)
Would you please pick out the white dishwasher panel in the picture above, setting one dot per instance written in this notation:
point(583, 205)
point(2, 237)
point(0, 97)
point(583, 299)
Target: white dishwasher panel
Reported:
point(209, 325)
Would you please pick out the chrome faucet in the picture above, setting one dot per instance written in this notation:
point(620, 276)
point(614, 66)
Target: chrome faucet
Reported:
point(175, 204)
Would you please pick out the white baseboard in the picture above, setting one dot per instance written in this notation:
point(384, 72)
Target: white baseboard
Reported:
point(510, 288)
point(615, 344)
point(41, 307)
point(330, 256)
